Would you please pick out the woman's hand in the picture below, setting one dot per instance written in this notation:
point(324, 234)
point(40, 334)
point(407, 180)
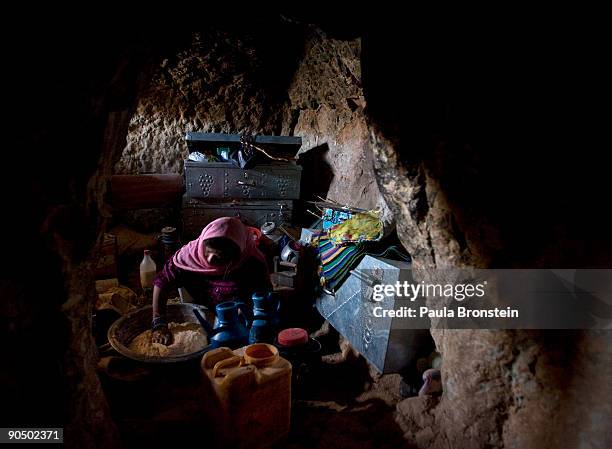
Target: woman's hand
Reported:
point(162, 335)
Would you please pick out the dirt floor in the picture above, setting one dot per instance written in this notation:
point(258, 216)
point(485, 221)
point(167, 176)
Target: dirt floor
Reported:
point(343, 404)
point(349, 410)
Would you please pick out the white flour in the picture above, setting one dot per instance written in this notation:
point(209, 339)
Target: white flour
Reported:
point(187, 338)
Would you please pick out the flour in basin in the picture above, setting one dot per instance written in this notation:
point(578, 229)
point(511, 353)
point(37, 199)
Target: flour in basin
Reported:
point(186, 339)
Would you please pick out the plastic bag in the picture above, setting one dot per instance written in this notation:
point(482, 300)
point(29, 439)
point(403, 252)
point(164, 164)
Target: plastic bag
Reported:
point(361, 227)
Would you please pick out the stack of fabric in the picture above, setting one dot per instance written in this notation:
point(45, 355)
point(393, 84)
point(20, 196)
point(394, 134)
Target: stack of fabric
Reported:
point(342, 246)
point(336, 261)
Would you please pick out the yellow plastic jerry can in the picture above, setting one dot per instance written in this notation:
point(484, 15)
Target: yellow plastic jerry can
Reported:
point(254, 385)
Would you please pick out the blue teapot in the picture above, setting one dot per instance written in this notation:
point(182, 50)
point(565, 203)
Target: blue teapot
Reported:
point(230, 330)
point(265, 320)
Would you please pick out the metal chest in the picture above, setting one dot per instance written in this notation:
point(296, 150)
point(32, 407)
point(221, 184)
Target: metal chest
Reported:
point(385, 342)
point(198, 213)
point(223, 180)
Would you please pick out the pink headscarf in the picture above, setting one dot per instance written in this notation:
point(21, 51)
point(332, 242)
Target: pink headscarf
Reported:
point(191, 256)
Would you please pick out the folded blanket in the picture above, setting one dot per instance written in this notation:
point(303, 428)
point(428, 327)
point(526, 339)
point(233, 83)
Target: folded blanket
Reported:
point(336, 261)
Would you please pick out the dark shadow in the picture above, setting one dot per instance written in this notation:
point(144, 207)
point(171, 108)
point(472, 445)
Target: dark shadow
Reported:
point(171, 405)
point(326, 425)
point(317, 176)
point(510, 150)
point(340, 382)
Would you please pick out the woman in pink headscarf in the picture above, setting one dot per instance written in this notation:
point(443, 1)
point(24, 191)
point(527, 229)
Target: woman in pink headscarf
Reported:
point(222, 264)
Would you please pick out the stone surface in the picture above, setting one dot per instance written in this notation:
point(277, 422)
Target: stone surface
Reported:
point(215, 85)
point(58, 216)
point(469, 188)
point(208, 86)
point(416, 418)
point(327, 98)
point(501, 388)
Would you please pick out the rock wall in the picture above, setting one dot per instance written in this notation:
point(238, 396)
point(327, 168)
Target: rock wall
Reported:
point(209, 85)
point(493, 178)
point(308, 84)
point(82, 102)
point(326, 101)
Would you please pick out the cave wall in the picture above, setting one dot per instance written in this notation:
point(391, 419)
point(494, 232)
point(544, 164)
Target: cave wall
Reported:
point(306, 84)
point(214, 83)
point(80, 105)
point(487, 164)
point(327, 105)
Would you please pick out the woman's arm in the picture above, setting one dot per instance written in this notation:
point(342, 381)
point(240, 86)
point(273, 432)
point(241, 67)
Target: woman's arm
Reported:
point(160, 298)
point(166, 279)
point(161, 333)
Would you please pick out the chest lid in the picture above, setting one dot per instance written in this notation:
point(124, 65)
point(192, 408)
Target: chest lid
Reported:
point(214, 145)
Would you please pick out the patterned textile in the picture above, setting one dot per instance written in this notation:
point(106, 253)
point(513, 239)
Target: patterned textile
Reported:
point(336, 261)
point(332, 217)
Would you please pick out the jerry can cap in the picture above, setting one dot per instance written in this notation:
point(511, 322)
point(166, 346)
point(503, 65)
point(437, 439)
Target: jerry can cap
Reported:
point(293, 336)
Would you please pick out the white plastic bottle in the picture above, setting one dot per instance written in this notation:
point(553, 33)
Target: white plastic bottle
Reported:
point(148, 270)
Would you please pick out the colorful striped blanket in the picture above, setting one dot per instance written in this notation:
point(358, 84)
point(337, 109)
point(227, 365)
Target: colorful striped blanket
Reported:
point(336, 261)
